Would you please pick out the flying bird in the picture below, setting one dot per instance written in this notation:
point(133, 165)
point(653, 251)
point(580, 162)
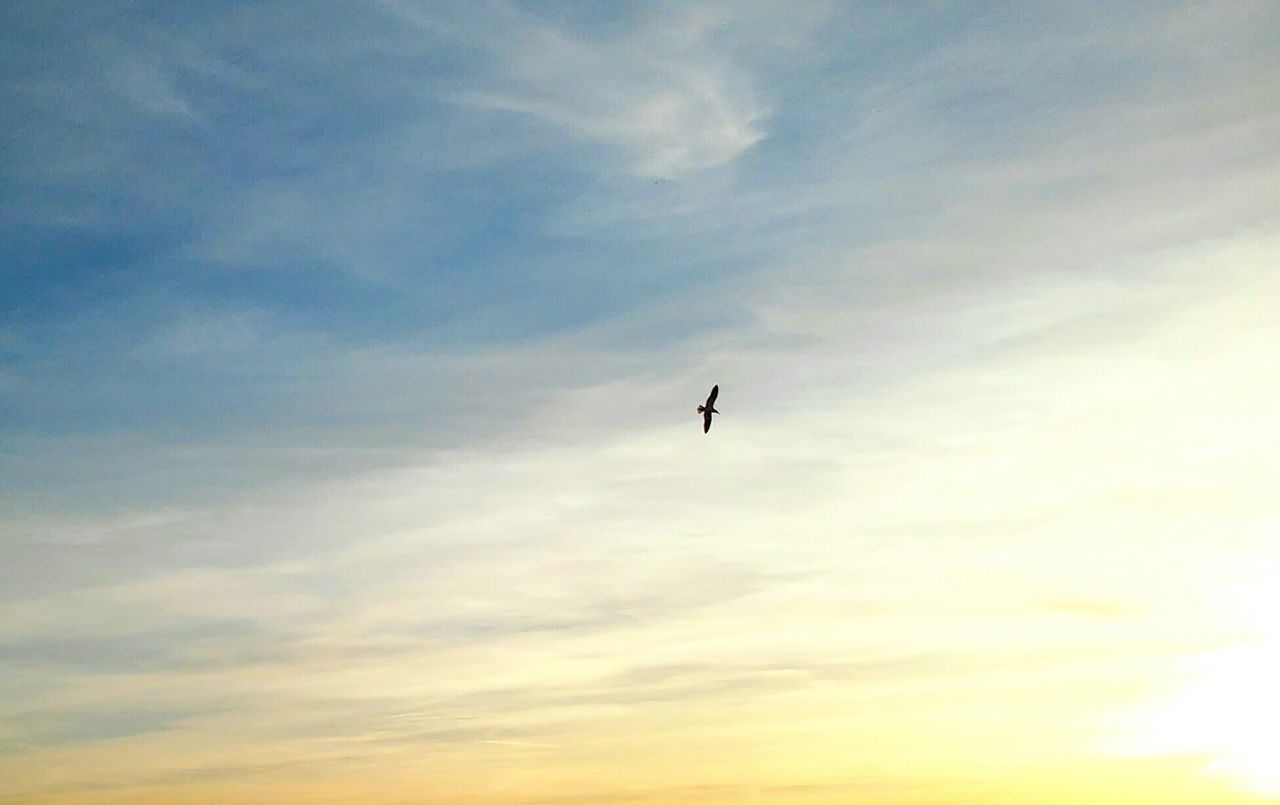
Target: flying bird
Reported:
point(710, 408)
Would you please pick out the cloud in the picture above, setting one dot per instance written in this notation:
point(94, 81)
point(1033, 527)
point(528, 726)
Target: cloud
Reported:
point(148, 89)
point(49, 728)
point(662, 93)
point(382, 433)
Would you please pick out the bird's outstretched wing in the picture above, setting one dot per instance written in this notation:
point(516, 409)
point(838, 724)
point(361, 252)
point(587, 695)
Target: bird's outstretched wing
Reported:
point(715, 392)
point(706, 420)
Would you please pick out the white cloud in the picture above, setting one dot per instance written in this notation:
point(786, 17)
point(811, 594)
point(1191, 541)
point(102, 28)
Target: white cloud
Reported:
point(148, 88)
point(1042, 378)
point(662, 93)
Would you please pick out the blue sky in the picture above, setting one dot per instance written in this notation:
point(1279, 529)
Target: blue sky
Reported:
point(206, 209)
point(307, 312)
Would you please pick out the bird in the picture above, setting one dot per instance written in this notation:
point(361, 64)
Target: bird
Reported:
point(710, 408)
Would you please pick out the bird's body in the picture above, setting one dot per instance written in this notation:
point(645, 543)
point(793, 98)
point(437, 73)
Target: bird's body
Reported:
point(709, 408)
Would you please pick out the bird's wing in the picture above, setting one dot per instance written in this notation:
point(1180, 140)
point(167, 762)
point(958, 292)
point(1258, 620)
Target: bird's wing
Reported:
point(715, 392)
point(706, 421)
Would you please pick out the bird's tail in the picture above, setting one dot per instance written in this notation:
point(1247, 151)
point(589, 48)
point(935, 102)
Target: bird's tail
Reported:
point(701, 409)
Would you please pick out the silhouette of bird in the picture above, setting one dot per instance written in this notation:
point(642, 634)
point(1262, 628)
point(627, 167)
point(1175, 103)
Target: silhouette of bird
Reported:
point(710, 408)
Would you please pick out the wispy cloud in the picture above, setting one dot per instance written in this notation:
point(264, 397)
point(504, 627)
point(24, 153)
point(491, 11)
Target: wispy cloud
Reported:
point(662, 91)
point(348, 370)
point(81, 726)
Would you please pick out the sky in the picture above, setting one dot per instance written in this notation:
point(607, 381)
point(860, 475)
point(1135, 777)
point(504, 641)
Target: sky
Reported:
point(349, 355)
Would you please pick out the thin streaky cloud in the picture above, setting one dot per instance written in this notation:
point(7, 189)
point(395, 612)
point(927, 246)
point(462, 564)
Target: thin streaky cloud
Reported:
point(347, 363)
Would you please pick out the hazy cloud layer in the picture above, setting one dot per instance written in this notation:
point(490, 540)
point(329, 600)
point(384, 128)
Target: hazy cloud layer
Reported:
point(347, 371)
